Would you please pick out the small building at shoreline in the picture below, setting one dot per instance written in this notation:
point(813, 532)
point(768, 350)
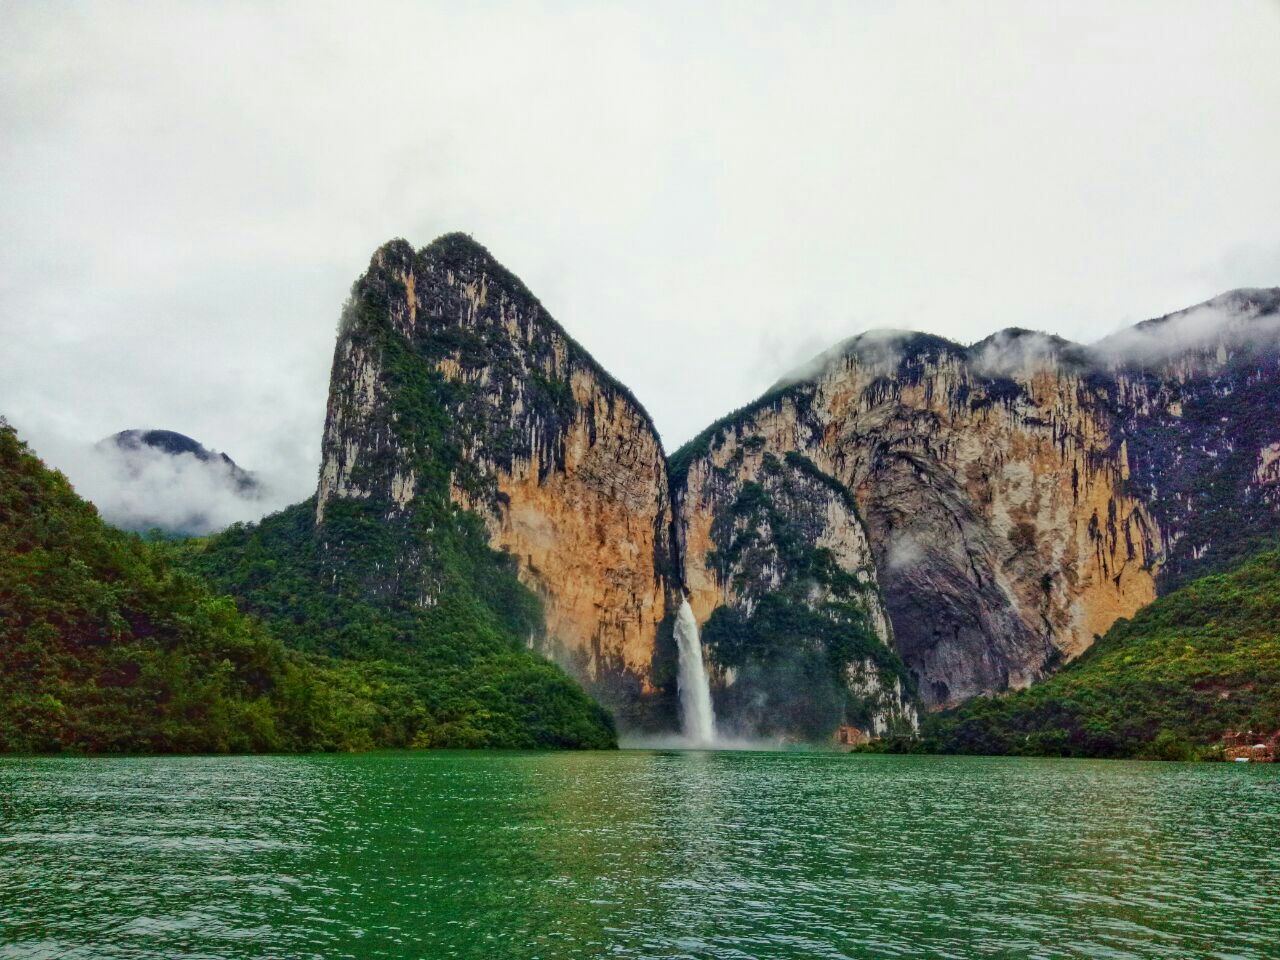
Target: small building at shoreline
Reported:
point(1251, 745)
point(847, 736)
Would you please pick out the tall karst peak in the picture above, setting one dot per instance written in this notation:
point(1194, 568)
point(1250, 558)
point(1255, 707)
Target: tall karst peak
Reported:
point(453, 388)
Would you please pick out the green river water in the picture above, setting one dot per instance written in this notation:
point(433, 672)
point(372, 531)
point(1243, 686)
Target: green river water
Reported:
point(636, 854)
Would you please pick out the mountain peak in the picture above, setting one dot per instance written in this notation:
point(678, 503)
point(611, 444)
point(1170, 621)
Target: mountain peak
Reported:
point(176, 444)
point(165, 441)
point(456, 246)
point(145, 479)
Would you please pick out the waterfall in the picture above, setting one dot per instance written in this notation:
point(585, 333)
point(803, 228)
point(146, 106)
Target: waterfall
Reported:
point(695, 692)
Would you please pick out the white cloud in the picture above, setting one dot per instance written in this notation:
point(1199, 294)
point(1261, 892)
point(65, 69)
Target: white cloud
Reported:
point(143, 488)
point(187, 190)
point(1223, 321)
point(1016, 352)
point(904, 552)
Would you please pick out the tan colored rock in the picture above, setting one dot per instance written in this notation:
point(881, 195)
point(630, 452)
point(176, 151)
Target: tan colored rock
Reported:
point(1003, 537)
point(562, 465)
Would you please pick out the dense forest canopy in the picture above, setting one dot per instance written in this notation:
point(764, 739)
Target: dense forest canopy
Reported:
point(109, 643)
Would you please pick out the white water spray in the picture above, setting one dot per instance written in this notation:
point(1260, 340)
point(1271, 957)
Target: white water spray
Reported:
point(695, 692)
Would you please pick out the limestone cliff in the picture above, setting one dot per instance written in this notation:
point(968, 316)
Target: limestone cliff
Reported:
point(779, 570)
point(1001, 534)
point(1197, 398)
point(452, 384)
point(1020, 494)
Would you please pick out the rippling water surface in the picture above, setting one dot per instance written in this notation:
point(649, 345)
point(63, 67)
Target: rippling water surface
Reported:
point(636, 854)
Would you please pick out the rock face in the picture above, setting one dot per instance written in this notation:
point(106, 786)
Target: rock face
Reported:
point(1197, 395)
point(1022, 494)
point(1002, 538)
point(779, 569)
point(451, 383)
point(909, 522)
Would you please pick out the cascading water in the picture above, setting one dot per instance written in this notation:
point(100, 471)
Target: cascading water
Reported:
point(695, 692)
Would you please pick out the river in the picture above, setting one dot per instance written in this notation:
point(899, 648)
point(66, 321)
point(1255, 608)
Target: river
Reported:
point(636, 854)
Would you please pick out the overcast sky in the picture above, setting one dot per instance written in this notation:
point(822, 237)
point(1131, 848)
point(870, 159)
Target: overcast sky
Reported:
point(703, 194)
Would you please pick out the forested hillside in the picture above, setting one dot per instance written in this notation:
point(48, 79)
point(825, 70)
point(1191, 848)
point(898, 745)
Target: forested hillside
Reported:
point(1166, 684)
point(108, 645)
point(468, 679)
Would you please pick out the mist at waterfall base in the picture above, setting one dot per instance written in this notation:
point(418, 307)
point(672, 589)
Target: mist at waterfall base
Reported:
point(698, 730)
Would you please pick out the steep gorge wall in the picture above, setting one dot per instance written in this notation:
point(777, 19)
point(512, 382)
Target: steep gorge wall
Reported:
point(1197, 401)
point(450, 381)
point(995, 505)
point(1022, 494)
point(780, 573)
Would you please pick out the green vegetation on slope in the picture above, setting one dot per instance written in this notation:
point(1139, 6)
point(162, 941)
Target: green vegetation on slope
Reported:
point(804, 625)
point(458, 672)
point(107, 645)
point(104, 646)
point(1166, 684)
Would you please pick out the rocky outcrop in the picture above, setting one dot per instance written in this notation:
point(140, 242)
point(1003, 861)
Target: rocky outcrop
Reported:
point(1196, 396)
point(781, 574)
point(1021, 494)
point(451, 384)
point(1002, 536)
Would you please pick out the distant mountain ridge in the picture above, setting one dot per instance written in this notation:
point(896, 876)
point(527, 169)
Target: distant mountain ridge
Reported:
point(176, 444)
point(1239, 313)
point(146, 480)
